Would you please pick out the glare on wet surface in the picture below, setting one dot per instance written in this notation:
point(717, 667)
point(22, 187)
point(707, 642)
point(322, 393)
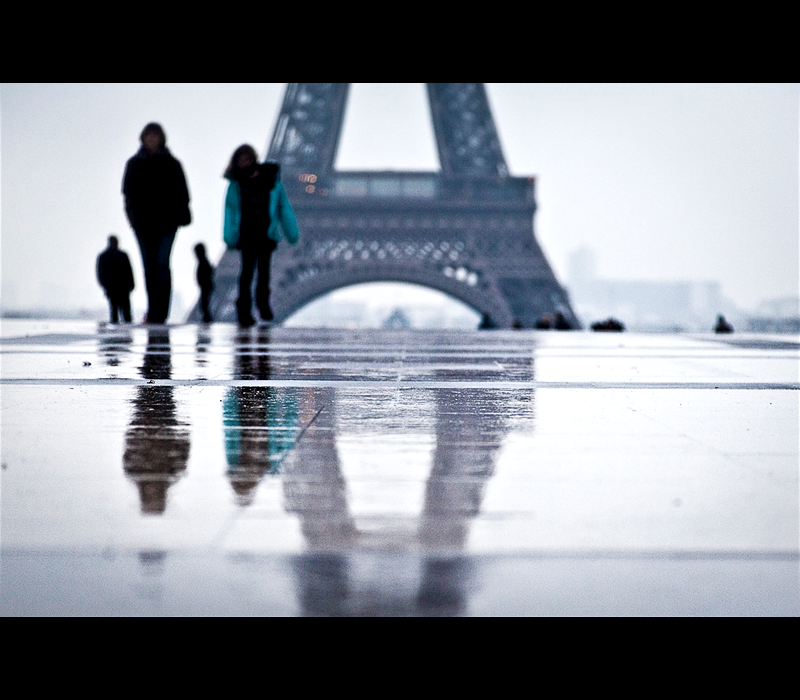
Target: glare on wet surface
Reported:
point(397, 472)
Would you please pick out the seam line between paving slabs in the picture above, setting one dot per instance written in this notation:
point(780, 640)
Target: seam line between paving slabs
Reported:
point(405, 383)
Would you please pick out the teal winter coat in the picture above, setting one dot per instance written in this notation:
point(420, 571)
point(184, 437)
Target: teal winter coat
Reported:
point(280, 212)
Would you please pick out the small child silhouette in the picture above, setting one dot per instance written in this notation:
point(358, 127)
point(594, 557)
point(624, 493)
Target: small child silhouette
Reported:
point(205, 279)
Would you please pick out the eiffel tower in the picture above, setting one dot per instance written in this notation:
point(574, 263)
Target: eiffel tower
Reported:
point(466, 231)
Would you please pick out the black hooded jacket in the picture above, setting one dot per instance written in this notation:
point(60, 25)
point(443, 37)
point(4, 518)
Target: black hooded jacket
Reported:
point(155, 190)
point(114, 272)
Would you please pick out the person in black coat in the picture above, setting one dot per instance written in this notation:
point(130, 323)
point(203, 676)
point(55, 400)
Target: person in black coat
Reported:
point(205, 279)
point(115, 276)
point(156, 203)
point(722, 325)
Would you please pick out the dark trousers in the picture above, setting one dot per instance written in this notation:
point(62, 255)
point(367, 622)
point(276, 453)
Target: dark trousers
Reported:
point(119, 303)
point(256, 256)
point(205, 303)
point(156, 248)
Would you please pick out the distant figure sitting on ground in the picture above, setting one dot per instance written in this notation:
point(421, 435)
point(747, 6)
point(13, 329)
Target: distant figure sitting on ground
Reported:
point(722, 325)
point(205, 280)
point(609, 325)
point(116, 278)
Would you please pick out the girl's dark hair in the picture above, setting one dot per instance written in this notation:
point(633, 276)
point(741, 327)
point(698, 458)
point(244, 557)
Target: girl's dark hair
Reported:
point(242, 150)
point(153, 128)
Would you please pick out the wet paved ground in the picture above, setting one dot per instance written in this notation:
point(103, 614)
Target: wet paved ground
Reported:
point(191, 470)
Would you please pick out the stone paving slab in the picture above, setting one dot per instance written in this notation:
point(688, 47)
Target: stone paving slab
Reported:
point(205, 470)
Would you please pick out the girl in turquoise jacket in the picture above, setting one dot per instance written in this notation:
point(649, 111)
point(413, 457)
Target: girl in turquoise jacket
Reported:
point(256, 211)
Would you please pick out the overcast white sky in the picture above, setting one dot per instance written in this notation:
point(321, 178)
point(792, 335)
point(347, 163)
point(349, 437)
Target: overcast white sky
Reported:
point(664, 182)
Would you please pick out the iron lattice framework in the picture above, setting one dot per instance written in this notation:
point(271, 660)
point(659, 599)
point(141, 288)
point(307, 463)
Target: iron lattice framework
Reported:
point(466, 230)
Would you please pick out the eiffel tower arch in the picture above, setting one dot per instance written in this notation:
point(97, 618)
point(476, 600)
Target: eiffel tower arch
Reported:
point(466, 230)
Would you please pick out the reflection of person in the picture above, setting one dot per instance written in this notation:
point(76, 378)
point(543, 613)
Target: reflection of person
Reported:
point(259, 422)
point(157, 203)
point(255, 204)
point(113, 344)
point(157, 442)
point(205, 280)
point(116, 278)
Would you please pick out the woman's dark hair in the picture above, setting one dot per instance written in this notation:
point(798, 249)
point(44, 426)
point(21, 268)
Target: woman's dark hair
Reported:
point(244, 149)
point(153, 128)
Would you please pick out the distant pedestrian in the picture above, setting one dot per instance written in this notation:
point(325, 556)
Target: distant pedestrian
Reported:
point(561, 323)
point(486, 323)
point(255, 204)
point(722, 325)
point(157, 203)
point(205, 280)
point(115, 276)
